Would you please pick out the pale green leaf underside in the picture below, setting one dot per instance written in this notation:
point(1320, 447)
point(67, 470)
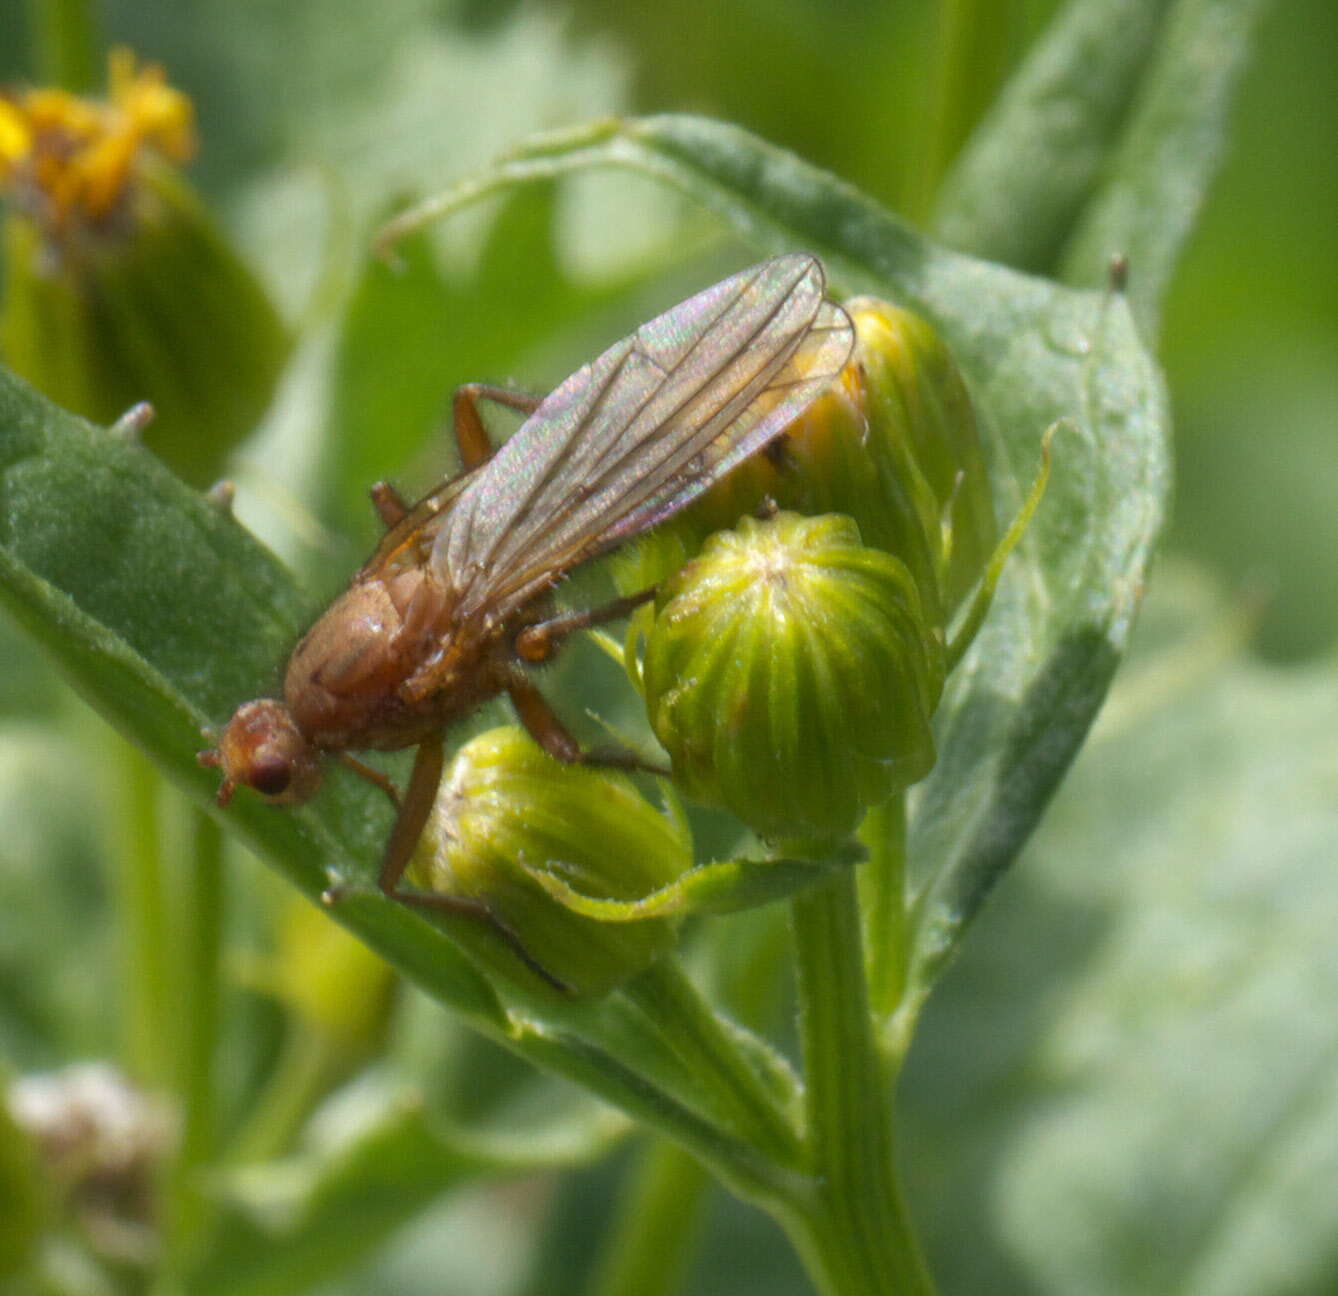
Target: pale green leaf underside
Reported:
point(1134, 1061)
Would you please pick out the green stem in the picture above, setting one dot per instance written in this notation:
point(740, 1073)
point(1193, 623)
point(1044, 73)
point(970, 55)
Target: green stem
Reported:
point(142, 916)
point(305, 1071)
point(200, 967)
point(655, 1232)
point(852, 1232)
point(882, 892)
point(66, 44)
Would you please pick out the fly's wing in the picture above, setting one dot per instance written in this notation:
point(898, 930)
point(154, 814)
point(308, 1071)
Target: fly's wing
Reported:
point(641, 431)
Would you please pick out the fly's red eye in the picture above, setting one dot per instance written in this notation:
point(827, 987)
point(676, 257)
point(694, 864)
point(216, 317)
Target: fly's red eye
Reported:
point(270, 776)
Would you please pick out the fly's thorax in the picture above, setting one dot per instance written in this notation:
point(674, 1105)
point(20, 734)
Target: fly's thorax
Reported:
point(348, 663)
point(382, 667)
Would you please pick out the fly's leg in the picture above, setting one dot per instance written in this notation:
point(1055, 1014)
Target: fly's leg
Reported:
point(470, 434)
point(543, 725)
point(389, 504)
point(373, 776)
point(537, 643)
point(415, 808)
point(414, 811)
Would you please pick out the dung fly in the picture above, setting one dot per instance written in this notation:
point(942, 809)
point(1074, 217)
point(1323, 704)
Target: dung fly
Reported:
point(455, 606)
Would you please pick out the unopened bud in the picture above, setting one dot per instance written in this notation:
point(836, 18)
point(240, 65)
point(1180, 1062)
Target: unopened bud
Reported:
point(507, 810)
point(792, 677)
point(892, 443)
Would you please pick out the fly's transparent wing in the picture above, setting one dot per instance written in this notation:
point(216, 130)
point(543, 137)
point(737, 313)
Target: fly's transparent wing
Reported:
point(641, 431)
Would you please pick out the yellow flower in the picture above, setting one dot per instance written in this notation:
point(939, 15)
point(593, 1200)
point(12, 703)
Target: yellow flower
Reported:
point(69, 162)
point(118, 286)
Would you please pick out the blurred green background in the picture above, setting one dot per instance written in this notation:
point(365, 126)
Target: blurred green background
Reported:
point(317, 116)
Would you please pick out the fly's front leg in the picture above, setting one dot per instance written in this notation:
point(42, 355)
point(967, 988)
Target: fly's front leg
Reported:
point(543, 725)
point(470, 434)
point(419, 798)
point(373, 776)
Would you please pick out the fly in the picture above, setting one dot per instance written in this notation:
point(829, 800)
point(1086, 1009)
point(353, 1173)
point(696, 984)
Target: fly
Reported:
point(454, 606)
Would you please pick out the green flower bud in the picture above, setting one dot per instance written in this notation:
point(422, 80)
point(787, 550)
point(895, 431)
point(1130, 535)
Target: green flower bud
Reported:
point(922, 431)
point(119, 288)
point(507, 811)
point(791, 676)
point(892, 443)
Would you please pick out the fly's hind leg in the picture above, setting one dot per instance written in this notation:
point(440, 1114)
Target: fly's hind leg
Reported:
point(543, 725)
point(537, 643)
point(415, 808)
point(470, 434)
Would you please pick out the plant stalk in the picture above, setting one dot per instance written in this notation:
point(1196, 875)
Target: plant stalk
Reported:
point(654, 1235)
point(852, 1231)
point(883, 907)
point(200, 972)
point(144, 926)
point(711, 1048)
point(66, 44)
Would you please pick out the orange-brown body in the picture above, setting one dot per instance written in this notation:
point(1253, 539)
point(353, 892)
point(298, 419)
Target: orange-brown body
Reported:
point(389, 664)
point(384, 666)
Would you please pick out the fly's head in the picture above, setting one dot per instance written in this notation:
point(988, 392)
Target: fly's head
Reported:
point(262, 748)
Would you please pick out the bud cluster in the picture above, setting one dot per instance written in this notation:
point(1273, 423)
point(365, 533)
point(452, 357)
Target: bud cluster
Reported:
point(793, 667)
point(794, 658)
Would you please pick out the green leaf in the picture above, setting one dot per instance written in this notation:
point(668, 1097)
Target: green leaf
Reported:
point(1104, 142)
point(1169, 152)
point(1025, 174)
point(1033, 353)
point(1130, 1072)
point(166, 615)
